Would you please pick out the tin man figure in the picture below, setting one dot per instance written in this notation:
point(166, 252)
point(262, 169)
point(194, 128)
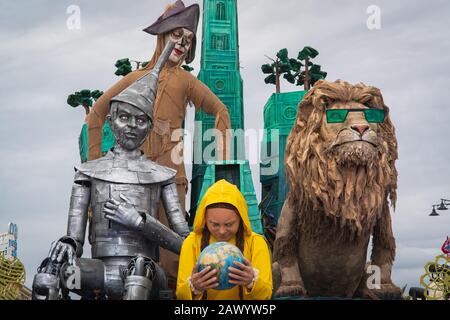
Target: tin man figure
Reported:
point(124, 190)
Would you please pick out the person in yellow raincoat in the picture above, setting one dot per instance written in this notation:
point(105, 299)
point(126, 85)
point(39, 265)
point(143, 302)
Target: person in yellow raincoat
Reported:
point(223, 216)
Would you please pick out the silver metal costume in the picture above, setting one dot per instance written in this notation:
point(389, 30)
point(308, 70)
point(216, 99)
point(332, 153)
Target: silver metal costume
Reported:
point(124, 190)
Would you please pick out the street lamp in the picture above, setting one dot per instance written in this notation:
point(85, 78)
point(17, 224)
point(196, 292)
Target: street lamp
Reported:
point(442, 206)
point(434, 213)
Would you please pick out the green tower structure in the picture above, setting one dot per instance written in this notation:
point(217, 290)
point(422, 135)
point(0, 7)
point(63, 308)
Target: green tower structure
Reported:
point(280, 113)
point(219, 70)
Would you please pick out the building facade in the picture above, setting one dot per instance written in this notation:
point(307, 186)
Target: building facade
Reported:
point(8, 242)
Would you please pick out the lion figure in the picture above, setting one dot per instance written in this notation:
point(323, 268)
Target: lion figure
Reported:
point(340, 168)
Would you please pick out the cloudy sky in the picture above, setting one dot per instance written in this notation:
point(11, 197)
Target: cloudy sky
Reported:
point(43, 61)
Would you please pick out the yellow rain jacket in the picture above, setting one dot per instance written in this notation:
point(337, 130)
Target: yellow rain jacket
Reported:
point(255, 249)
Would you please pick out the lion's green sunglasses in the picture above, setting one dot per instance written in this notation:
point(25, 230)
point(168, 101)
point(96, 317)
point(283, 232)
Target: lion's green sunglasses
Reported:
point(339, 115)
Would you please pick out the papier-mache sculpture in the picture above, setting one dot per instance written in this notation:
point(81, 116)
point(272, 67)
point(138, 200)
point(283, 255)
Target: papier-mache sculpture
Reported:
point(340, 166)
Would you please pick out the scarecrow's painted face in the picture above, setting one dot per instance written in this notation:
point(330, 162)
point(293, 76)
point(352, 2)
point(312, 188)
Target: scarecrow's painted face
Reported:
point(183, 42)
point(129, 125)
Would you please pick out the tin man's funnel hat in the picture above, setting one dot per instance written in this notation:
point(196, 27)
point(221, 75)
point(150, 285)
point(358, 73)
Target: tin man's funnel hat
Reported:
point(178, 16)
point(142, 93)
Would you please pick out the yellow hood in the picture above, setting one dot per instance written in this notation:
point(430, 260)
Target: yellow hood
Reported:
point(225, 192)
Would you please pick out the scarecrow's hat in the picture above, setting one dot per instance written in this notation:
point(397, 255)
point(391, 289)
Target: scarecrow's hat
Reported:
point(178, 16)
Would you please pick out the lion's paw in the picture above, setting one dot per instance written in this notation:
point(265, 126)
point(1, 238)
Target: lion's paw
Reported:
point(387, 291)
point(290, 290)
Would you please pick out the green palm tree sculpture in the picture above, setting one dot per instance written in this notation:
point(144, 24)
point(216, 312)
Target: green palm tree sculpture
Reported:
point(84, 98)
point(279, 66)
point(291, 69)
point(312, 72)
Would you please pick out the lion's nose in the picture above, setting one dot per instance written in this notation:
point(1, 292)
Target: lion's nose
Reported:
point(361, 128)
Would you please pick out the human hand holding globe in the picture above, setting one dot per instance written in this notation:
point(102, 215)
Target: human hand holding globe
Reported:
point(205, 279)
point(242, 276)
point(221, 266)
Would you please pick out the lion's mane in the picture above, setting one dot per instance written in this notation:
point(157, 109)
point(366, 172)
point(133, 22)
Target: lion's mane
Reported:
point(345, 200)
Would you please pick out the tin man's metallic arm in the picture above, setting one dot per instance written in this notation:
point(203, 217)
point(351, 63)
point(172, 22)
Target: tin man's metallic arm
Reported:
point(70, 246)
point(174, 212)
point(126, 214)
point(78, 215)
point(155, 231)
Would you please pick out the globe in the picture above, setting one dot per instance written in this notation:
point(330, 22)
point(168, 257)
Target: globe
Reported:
point(220, 256)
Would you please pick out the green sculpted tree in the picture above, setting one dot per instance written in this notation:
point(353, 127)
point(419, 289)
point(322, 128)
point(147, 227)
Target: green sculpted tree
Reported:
point(279, 66)
point(292, 70)
point(312, 73)
point(84, 98)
